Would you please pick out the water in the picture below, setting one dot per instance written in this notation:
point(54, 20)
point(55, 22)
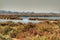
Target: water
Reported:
point(42, 17)
point(25, 19)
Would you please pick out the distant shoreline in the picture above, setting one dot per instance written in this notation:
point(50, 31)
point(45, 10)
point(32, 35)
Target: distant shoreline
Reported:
point(31, 14)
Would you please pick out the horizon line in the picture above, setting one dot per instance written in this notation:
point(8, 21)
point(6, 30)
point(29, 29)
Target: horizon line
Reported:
point(31, 11)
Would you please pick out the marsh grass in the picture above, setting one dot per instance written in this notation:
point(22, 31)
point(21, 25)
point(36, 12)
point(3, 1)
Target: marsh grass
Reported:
point(30, 31)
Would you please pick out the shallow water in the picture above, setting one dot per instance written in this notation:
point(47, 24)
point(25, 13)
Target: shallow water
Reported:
point(25, 19)
point(41, 17)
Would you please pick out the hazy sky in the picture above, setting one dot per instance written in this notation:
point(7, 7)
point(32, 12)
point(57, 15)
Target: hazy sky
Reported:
point(31, 5)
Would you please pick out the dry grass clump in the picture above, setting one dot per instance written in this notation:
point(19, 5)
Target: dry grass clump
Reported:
point(40, 31)
point(46, 26)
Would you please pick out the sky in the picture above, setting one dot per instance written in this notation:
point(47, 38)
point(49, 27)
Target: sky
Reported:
point(31, 5)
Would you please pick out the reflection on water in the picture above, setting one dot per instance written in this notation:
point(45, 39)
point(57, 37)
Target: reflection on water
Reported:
point(25, 19)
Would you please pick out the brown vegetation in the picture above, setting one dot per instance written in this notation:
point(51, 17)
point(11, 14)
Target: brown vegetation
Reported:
point(38, 19)
point(45, 30)
point(10, 18)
